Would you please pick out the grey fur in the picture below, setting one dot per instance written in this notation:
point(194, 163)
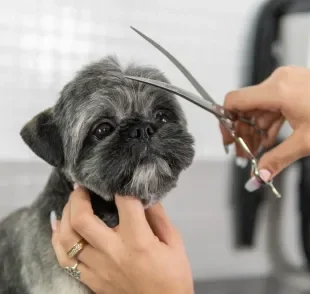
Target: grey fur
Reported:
point(61, 135)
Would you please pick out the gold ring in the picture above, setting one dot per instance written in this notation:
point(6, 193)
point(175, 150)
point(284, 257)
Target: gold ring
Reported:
point(76, 248)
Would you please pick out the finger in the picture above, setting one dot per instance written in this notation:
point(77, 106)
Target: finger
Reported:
point(252, 140)
point(67, 236)
point(270, 123)
point(88, 225)
point(257, 136)
point(258, 97)
point(273, 133)
point(227, 138)
point(265, 120)
point(89, 256)
point(132, 220)
point(289, 151)
point(238, 148)
point(257, 143)
point(162, 226)
point(87, 277)
point(260, 119)
point(245, 132)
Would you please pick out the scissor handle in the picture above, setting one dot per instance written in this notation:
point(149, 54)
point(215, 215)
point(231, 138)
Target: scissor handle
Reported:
point(233, 117)
point(224, 113)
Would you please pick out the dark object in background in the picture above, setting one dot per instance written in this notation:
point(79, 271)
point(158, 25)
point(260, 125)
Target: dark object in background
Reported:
point(246, 206)
point(264, 61)
point(263, 58)
point(304, 209)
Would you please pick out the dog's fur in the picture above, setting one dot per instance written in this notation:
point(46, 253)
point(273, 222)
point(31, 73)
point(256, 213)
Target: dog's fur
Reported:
point(122, 162)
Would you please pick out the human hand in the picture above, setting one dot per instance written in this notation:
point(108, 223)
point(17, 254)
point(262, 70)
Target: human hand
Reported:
point(282, 96)
point(144, 254)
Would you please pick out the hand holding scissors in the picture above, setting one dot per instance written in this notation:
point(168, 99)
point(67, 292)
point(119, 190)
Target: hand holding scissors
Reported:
point(226, 118)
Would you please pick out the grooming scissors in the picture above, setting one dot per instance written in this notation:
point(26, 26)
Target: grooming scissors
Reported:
point(225, 117)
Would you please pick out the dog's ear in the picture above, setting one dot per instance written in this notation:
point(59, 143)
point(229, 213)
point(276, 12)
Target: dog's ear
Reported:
point(43, 137)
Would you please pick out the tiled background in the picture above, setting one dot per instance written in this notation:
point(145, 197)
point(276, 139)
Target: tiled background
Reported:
point(42, 44)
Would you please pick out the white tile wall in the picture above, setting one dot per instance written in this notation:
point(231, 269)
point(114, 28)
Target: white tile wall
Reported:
point(43, 43)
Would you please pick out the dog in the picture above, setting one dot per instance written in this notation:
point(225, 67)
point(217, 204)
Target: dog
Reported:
point(108, 134)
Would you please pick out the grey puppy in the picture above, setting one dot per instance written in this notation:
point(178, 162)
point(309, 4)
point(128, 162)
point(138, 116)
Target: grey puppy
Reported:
point(109, 134)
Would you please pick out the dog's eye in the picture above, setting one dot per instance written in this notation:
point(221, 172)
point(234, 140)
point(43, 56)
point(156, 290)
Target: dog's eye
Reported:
point(103, 130)
point(161, 116)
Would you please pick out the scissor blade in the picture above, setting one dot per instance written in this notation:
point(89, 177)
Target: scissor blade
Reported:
point(181, 67)
point(206, 105)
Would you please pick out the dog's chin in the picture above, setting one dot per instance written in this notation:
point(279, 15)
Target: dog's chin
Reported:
point(150, 181)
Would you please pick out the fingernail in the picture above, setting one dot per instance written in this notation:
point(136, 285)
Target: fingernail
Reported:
point(241, 162)
point(226, 147)
point(53, 220)
point(254, 184)
point(75, 186)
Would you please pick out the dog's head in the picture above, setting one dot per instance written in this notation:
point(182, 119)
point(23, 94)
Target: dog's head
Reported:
point(113, 135)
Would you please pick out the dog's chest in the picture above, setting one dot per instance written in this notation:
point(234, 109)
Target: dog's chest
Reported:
point(39, 268)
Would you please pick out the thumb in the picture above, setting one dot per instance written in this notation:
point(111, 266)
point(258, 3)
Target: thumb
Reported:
point(283, 155)
point(278, 158)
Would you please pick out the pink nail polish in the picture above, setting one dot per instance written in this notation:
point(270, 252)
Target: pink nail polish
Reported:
point(254, 183)
point(265, 174)
point(75, 186)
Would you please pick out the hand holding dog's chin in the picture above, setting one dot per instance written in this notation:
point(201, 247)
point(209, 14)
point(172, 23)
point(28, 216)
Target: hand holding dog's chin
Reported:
point(143, 254)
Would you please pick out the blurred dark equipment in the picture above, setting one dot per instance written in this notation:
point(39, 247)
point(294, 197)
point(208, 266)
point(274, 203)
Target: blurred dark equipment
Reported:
point(264, 61)
point(304, 209)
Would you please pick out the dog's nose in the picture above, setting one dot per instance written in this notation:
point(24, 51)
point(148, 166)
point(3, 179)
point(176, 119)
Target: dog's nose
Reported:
point(141, 131)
